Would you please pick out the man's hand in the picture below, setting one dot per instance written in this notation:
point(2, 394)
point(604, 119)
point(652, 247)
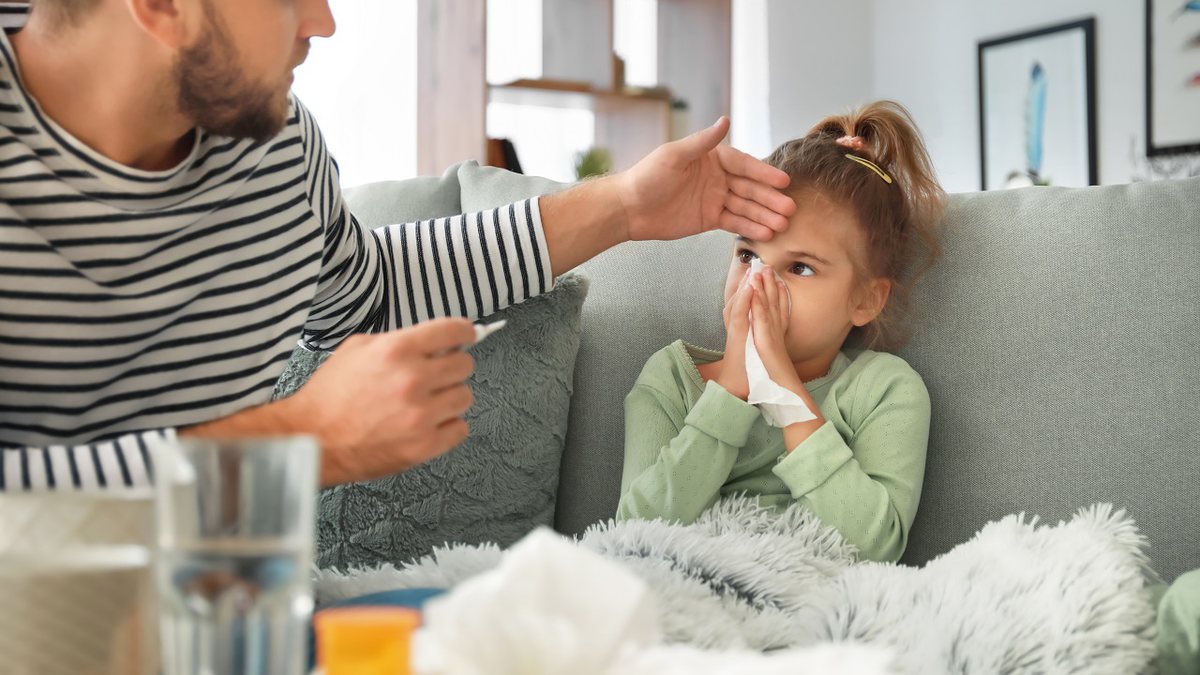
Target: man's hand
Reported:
point(384, 403)
point(690, 186)
point(695, 184)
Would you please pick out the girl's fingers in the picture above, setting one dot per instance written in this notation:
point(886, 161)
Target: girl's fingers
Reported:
point(759, 315)
point(784, 303)
point(770, 290)
point(739, 309)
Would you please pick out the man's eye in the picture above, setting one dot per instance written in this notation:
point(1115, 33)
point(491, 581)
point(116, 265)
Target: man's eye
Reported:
point(802, 270)
point(745, 257)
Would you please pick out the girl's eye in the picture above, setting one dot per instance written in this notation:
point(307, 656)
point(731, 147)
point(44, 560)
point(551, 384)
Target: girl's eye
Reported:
point(802, 270)
point(745, 256)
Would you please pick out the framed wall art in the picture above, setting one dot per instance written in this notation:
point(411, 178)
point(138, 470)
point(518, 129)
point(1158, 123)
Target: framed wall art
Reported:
point(1037, 107)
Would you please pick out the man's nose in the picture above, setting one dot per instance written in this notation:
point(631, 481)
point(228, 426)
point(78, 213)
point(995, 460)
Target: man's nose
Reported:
point(316, 20)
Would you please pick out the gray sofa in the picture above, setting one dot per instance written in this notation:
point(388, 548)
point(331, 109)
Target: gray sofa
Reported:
point(1059, 337)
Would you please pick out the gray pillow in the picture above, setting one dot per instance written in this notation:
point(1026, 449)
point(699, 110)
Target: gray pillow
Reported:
point(486, 187)
point(502, 482)
point(405, 201)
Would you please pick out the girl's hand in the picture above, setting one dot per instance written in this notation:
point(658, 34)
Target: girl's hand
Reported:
point(737, 329)
point(769, 308)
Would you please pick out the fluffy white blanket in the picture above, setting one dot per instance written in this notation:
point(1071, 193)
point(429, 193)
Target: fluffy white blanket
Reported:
point(1019, 597)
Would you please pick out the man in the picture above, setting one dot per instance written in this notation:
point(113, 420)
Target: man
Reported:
point(171, 224)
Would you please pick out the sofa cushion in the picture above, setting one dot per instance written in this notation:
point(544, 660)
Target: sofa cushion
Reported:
point(502, 482)
point(1058, 338)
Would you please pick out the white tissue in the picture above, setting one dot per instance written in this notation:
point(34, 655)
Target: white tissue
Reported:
point(484, 330)
point(553, 608)
point(779, 406)
point(549, 608)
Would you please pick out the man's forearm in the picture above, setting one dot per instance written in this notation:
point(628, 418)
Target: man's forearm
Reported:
point(270, 419)
point(278, 418)
point(582, 222)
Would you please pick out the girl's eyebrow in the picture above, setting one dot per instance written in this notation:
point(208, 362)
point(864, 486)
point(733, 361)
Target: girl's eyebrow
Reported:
point(806, 254)
point(795, 254)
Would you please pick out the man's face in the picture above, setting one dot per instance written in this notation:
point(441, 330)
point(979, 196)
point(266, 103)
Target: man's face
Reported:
point(234, 78)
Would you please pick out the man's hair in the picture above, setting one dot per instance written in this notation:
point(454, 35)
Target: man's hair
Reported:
point(63, 12)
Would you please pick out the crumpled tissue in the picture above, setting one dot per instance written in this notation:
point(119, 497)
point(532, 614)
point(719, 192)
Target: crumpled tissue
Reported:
point(553, 608)
point(549, 608)
point(779, 406)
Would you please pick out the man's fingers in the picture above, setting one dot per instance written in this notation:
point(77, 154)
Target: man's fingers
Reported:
point(450, 404)
point(434, 337)
point(732, 222)
point(704, 141)
point(763, 194)
point(738, 163)
point(451, 369)
point(756, 212)
point(452, 433)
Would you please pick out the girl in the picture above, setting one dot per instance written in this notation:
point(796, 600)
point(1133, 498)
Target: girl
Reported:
point(867, 203)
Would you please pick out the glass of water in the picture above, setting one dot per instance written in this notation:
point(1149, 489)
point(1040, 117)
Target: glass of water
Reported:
point(235, 539)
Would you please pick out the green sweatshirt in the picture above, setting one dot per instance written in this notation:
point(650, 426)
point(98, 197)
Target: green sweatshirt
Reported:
point(688, 443)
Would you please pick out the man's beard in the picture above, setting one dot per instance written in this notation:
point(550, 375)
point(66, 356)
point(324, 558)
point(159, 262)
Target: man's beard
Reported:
point(214, 93)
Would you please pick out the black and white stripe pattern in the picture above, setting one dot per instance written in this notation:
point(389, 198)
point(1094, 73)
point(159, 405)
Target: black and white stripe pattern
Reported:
point(133, 302)
point(12, 15)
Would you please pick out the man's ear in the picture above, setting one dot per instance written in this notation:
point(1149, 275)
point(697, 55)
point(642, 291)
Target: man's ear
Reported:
point(170, 22)
point(871, 299)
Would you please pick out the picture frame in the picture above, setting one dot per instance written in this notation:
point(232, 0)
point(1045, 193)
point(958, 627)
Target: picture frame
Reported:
point(1172, 77)
point(1037, 107)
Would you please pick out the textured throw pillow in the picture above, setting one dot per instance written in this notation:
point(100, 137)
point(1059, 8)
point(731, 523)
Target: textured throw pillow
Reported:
point(502, 482)
point(486, 187)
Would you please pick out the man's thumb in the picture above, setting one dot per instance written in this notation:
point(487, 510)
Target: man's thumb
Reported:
point(703, 141)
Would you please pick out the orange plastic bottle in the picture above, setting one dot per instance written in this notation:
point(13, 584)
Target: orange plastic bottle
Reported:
point(365, 640)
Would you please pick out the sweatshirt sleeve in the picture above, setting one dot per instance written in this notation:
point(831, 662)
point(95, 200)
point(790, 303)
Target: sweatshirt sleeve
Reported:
point(122, 462)
point(868, 484)
point(675, 464)
point(377, 280)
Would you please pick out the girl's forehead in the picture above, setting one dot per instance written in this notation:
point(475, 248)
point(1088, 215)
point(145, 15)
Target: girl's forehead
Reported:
point(821, 223)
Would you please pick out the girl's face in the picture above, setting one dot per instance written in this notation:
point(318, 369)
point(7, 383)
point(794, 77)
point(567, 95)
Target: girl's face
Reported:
point(814, 260)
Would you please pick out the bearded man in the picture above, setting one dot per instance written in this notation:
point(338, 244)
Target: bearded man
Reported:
point(171, 225)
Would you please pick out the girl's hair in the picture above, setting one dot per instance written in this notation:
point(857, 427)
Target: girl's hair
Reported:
point(898, 218)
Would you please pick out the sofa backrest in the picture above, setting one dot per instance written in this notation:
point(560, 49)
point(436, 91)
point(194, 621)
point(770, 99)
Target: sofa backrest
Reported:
point(1059, 337)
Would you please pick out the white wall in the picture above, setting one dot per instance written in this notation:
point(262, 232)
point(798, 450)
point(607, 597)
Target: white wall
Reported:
point(821, 60)
point(925, 57)
point(750, 102)
point(361, 86)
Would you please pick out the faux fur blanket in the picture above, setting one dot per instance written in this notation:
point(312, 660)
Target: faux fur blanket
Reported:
point(1019, 597)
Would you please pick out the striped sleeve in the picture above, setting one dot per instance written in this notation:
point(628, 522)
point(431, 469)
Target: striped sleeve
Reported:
point(123, 462)
point(467, 265)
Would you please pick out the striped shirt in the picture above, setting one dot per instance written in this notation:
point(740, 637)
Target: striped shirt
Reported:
point(135, 302)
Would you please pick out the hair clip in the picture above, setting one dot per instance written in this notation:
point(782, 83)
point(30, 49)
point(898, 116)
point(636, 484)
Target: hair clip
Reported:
point(870, 165)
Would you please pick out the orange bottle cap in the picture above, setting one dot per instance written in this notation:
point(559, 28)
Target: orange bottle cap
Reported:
point(365, 640)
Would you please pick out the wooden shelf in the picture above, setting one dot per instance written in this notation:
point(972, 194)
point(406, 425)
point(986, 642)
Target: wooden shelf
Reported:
point(577, 95)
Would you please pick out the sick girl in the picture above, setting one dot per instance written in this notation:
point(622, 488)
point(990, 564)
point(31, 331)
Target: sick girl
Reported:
point(825, 313)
